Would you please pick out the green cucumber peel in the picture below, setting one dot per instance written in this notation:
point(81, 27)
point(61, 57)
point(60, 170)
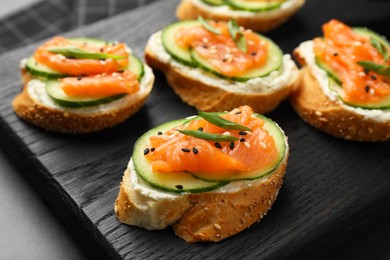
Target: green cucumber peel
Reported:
point(381, 69)
point(215, 119)
point(237, 36)
point(207, 26)
point(74, 52)
point(209, 136)
point(380, 47)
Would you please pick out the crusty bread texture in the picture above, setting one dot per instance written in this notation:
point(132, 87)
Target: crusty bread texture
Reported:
point(257, 21)
point(37, 109)
point(199, 217)
point(208, 96)
point(330, 116)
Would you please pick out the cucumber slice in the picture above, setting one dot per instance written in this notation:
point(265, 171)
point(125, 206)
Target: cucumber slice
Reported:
point(329, 71)
point(56, 93)
point(41, 70)
point(168, 40)
point(254, 6)
point(197, 182)
point(136, 66)
point(274, 62)
point(337, 88)
point(176, 182)
point(214, 2)
point(275, 131)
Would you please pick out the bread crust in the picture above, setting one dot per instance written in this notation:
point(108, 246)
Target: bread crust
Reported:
point(209, 216)
point(315, 108)
point(189, 11)
point(59, 120)
point(211, 98)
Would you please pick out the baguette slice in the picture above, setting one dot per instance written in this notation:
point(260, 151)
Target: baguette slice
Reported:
point(204, 215)
point(332, 116)
point(209, 93)
point(36, 107)
point(257, 21)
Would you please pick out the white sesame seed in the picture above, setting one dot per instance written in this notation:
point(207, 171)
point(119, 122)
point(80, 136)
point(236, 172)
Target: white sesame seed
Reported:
point(226, 133)
point(361, 74)
point(218, 227)
point(205, 40)
point(251, 42)
point(103, 62)
point(263, 145)
point(318, 113)
point(372, 91)
point(61, 57)
point(248, 145)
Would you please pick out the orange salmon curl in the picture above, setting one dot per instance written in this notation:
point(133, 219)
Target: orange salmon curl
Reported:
point(221, 50)
point(77, 67)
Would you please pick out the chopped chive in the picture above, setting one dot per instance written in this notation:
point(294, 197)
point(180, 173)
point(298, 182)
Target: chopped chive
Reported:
point(380, 47)
point(207, 26)
point(237, 35)
point(209, 136)
point(215, 119)
point(381, 69)
point(75, 52)
point(146, 151)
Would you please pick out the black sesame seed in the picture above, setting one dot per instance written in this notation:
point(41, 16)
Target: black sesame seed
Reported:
point(335, 54)
point(186, 150)
point(366, 70)
point(242, 133)
point(224, 60)
point(205, 46)
point(373, 77)
point(152, 149)
point(218, 145)
point(179, 187)
point(242, 140)
point(231, 145)
point(101, 49)
point(120, 71)
point(159, 133)
point(200, 129)
point(79, 78)
point(367, 89)
point(146, 151)
point(237, 113)
point(254, 53)
point(195, 151)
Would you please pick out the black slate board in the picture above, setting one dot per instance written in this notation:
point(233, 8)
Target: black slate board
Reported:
point(332, 187)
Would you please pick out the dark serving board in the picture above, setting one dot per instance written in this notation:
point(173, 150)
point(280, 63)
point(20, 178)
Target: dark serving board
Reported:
point(332, 186)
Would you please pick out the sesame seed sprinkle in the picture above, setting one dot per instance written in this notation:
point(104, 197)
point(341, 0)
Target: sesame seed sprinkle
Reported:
point(367, 89)
point(361, 74)
point(179, 187)
point(159, 133)
point(218, 145)
point(242, 140)
point(200, 129)
point(186, 150)
point(247, 145)
point(231, 145)
point(226, 133)
point(146, 151)
point(195, 151)
point(372, 91)
point(242, 133)
point(373, 77)
point(152, 149)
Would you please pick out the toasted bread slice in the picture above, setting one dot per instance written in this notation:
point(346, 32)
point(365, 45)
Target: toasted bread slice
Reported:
point(257, 21)
point(209, 93)
point(35, 106)
point(209, 216)
point(331, 115)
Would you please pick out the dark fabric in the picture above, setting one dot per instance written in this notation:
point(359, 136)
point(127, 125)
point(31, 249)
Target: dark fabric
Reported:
point(52, 17)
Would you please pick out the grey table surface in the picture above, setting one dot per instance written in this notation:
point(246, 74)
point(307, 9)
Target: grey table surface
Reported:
point(30, 230)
